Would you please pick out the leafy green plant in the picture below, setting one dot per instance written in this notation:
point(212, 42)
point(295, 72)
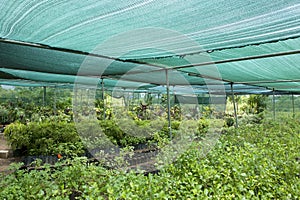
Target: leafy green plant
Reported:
point(251, 162)
point(256, 104)
point(44, 138)
point(203, 126)
point(229, 121)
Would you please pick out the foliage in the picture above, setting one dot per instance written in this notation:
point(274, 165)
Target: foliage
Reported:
point(255, 104)
point(207, 111)
point(44, 138)
point(203, 126)
point(10, 114)
point(229, 121)
point(252, 162)
point(103, 108)
point(52, 137)
point(26, 104)
point(126, 132)
point(252, 119)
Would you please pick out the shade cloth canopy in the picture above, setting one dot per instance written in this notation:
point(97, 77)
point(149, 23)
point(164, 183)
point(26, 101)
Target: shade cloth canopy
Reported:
point(202, 45)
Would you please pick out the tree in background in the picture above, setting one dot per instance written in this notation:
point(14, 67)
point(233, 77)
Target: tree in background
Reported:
point(256, 104)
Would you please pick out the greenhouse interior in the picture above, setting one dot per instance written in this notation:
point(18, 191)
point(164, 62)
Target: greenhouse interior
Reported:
point(150, 99)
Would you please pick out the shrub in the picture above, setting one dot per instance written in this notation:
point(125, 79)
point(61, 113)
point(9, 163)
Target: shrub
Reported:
point(251, 162)
point(203, 126)
point(44, 138)
point(229, 121)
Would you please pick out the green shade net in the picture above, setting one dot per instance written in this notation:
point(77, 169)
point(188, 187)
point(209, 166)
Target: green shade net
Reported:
point(82, 25)
point(47, 43)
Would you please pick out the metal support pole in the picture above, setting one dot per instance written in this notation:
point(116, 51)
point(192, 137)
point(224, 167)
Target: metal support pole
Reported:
point(168, 104)
point(87, 95)
point(274, 116)
point(44, 95)
point(293, 104)
point(158, 98)
point(103, 97)
point(123, 97)
point(54, 103)
point(234, 107)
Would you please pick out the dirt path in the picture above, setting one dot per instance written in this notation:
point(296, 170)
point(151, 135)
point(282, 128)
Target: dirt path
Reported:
point(4, 163)
point(3, 143)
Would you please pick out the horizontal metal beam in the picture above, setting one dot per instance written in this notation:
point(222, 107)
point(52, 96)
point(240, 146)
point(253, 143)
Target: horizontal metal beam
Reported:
point(269, 81)
point(227, 48)
point(181, 68)
point(239, 59)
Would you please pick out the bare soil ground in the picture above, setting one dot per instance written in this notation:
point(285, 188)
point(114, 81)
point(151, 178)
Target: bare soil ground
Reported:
point(4, 163)
point(3, 143)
